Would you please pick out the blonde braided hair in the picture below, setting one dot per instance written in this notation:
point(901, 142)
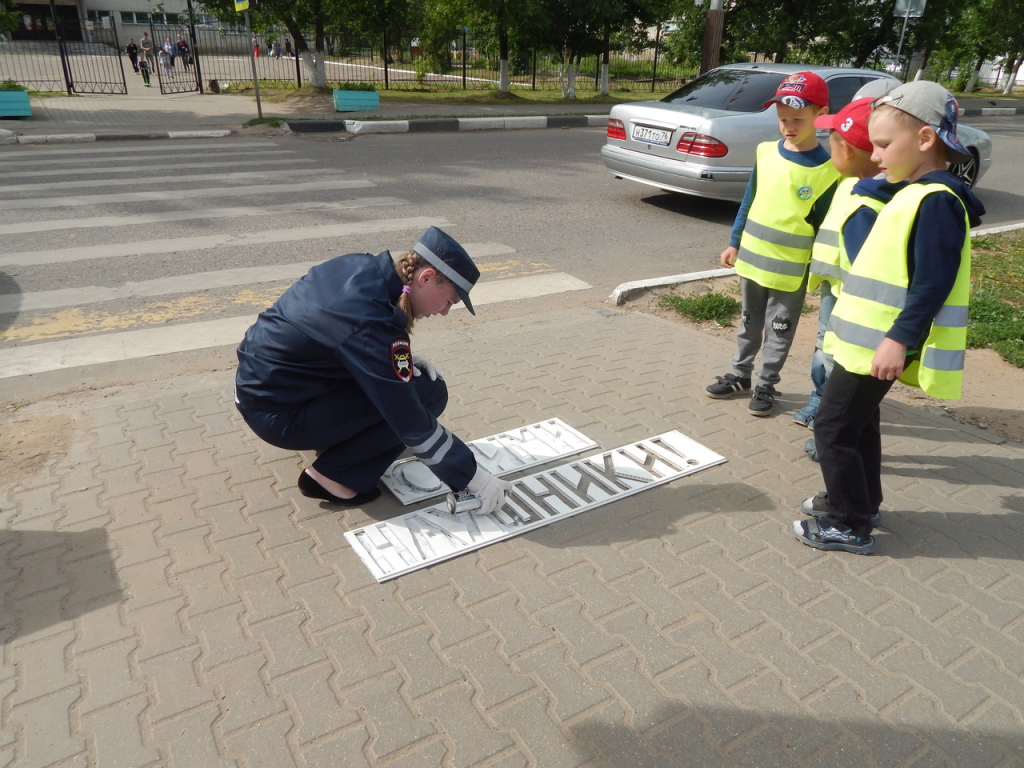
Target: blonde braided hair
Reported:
point(407, 266)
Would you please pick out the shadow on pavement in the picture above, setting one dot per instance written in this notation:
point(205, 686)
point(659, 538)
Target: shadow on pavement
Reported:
point(10, 301)
point(680, 734)
point(52, 577)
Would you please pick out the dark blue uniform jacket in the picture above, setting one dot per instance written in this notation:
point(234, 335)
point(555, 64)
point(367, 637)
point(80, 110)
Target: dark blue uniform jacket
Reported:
point(336, 327)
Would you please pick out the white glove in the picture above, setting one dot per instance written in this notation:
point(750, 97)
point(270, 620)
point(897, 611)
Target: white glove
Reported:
point(490, 489)
point(422, 365)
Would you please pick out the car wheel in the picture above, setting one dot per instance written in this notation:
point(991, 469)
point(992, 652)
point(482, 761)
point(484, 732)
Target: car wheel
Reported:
point(967, 171)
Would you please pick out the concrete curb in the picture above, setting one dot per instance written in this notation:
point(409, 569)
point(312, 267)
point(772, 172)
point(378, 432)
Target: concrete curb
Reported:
point(627, 291)
point(72, 138)
point(991, 111)
point(437, 125)
point(631, 290)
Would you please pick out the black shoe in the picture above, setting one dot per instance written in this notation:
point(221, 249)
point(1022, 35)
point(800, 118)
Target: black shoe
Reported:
point(727, 386)
point(763, 401)
point(312, 489)
point(817, 506)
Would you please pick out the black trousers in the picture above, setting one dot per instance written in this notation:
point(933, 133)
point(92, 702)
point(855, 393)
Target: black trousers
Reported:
point(355, 444)
point(848, 437)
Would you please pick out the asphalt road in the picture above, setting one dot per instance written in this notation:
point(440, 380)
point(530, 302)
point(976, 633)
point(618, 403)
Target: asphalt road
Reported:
point(106, 240)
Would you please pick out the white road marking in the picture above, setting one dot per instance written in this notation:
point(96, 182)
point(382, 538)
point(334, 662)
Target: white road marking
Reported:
point(174, 245)
point(208, 213)
point(201, 281)
point(15, 155)
point(149, 169)
point(142, 159)
point(146, 179)
point(175, 194)
point(131, 345)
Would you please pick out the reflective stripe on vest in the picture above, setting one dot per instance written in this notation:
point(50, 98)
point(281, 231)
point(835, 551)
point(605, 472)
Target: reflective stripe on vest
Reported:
point(829, 251)
point(875, 290)
point(777, 240)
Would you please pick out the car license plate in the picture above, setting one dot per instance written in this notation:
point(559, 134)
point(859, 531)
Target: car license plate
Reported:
point(651, 135)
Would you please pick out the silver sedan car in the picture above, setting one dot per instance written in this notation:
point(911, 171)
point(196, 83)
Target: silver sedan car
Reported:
point(701, 140)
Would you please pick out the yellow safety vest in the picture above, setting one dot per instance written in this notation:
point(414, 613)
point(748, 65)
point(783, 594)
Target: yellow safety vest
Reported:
point(875, 291)
point(777, 240)
point(829, 260)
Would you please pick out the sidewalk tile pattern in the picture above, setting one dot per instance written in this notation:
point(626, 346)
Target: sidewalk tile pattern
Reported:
point(169, 599)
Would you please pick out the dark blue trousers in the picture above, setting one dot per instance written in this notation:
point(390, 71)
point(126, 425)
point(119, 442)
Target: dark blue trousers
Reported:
point(848, 437)
point(355, 445)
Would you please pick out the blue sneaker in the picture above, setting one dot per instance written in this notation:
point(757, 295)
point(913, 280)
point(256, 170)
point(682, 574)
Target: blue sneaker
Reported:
point(820, 535)
point(805, 416)
point(810, 449)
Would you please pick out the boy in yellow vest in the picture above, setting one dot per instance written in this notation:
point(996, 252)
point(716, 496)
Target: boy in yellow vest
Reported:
point(902, 312)
point(855, 205)
point(786, 200)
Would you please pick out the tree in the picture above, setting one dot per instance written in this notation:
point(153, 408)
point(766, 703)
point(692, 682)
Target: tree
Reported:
point(9, 20)
point(300, 18)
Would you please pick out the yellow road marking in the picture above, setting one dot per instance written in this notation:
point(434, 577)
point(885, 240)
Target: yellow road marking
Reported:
point(81, 321)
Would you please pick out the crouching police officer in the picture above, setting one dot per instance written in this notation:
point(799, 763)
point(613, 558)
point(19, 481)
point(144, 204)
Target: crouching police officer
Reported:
point(330, 368)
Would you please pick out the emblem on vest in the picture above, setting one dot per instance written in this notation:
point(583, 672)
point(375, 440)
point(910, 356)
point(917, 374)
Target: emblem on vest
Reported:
point(401, 359)
point(805, 192)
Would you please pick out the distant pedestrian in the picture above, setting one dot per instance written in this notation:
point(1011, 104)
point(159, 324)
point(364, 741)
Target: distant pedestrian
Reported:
point(133, 54)
point(277, 49)
point(165, 63)
point(288, 48)
point(255, 47)
point(144, 71)
point(172, 52)
point(184, 54)
point(148, 49)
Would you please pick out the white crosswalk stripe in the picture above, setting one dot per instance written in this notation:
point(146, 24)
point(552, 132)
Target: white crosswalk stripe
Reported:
point(194, 276)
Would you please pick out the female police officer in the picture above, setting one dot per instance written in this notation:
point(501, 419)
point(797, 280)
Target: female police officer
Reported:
point(329, 368)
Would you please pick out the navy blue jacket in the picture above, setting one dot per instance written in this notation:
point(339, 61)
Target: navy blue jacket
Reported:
point(933, 255)
point(338, 325)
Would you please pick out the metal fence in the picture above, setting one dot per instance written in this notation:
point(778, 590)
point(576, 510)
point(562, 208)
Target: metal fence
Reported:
point(221, 59)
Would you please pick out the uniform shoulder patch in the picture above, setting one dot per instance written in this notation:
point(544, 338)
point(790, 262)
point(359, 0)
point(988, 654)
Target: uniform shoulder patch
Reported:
point(401, 359)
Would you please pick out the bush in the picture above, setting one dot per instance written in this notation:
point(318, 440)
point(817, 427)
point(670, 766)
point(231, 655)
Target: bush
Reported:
point(10, 85)
point(708, 306)
point(346, 86)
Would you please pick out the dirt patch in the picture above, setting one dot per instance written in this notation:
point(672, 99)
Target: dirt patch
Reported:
point(29, 438)
point(992, 387)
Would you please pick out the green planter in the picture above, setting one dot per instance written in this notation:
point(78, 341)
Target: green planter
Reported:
point(15, 104)
point(355, 101)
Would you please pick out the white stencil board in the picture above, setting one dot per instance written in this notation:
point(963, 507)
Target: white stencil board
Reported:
point(414, 540)
point(411, 481)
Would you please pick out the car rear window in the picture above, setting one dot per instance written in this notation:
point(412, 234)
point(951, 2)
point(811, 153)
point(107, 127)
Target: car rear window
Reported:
point(736, 90)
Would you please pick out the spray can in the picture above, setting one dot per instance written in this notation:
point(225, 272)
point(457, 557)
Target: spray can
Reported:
point(463, 501)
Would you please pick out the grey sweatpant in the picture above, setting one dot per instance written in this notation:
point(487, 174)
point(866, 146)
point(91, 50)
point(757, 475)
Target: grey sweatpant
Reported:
point(768, 324)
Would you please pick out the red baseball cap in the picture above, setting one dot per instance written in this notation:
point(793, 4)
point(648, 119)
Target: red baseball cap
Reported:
point(800, 90)
point(851, 122)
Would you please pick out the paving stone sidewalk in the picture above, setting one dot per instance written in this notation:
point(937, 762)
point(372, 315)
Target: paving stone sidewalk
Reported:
point(171, 600)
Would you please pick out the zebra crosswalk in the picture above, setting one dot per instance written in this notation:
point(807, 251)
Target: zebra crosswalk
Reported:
point(136, 256)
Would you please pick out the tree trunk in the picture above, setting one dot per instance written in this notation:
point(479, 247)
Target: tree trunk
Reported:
point(503, 85)
point(973, 81)
point(1011, 78)
point(604, 63)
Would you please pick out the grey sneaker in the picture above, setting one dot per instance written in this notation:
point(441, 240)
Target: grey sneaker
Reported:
point(763, 401)
point(728, 386)
point(817, 506)
point(821, 535)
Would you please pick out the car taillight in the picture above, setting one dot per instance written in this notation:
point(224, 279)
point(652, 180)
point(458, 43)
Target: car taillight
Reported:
point(691, 143)
point(616, 129)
